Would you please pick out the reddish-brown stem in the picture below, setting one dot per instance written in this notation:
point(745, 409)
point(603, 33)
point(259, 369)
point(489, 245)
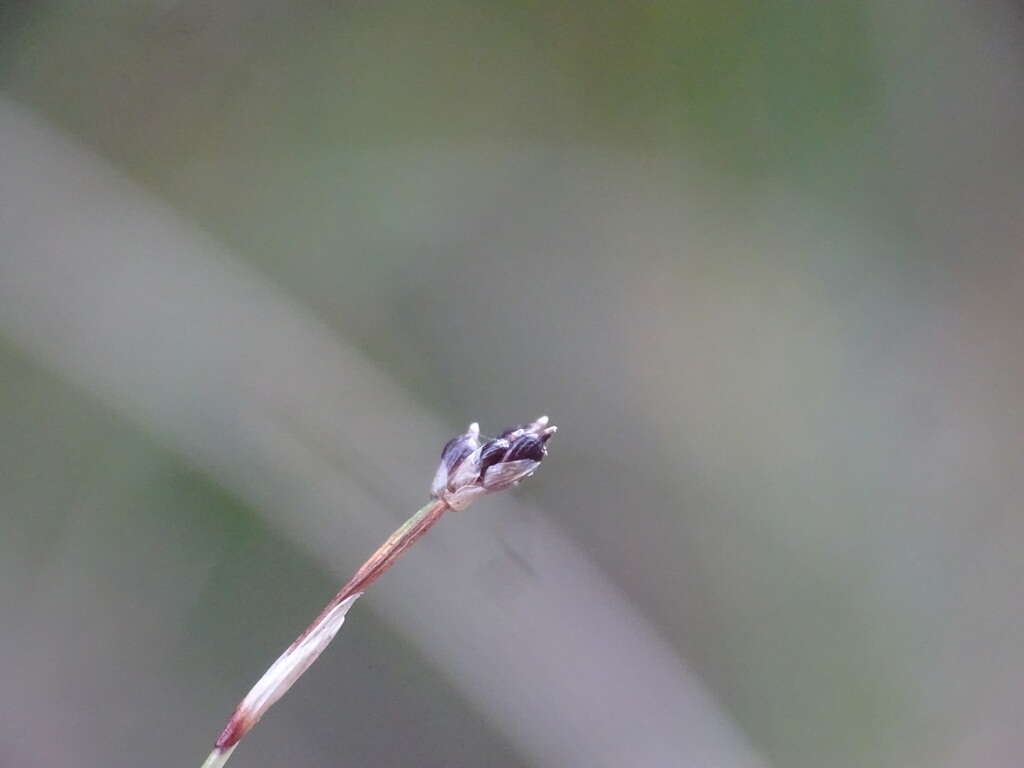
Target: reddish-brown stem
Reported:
point(379, 562)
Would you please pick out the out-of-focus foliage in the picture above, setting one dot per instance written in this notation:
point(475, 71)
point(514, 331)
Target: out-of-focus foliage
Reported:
point(760, 261)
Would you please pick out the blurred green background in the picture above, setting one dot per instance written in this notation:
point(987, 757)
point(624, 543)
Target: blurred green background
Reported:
point(760, 262)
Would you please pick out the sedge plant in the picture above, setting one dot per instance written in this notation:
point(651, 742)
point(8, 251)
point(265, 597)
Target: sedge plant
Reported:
point(471, 466)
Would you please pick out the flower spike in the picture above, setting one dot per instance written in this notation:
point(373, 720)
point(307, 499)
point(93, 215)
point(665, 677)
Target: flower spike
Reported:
point(469, 469)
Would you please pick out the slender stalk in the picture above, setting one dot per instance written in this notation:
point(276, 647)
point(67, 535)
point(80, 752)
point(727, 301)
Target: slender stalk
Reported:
point(301, 654)
point(471, 467)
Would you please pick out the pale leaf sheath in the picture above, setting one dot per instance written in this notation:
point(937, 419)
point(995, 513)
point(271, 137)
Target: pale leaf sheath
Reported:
point(293, 662)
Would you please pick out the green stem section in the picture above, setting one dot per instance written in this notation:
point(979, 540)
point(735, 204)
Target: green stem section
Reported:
point(218, 757)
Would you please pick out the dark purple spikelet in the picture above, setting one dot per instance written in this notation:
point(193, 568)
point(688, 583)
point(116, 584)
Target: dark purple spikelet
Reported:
point(493, 452)
point(459, 447)
point(527, 447)
point(470, 468)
